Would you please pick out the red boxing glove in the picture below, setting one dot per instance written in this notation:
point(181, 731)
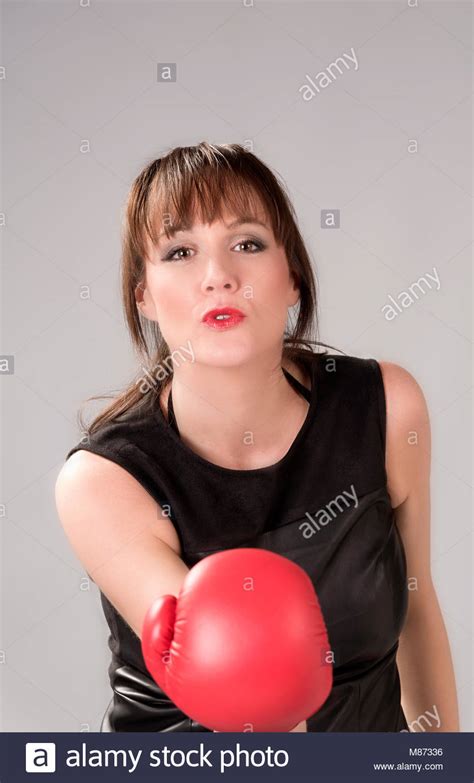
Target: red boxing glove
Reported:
point(244, 647)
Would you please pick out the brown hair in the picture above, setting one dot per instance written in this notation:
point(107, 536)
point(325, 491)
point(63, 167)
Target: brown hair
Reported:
point(202, 180)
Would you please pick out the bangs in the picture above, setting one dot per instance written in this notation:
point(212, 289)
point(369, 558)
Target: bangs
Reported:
point(188, 189)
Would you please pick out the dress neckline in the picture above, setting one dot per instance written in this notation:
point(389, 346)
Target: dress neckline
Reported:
point(310, 395)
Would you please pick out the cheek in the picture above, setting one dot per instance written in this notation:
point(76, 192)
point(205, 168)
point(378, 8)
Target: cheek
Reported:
point(174, 307)
point(271, 286)
point(169, 294)
point(268, 307)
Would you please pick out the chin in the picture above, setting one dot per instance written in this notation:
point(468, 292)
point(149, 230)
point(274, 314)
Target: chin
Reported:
point(226, 355)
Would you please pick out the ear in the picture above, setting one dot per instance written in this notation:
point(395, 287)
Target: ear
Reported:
point(294, 291)
point(140, 299)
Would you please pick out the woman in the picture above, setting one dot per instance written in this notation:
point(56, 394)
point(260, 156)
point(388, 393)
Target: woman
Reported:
point(238, 434)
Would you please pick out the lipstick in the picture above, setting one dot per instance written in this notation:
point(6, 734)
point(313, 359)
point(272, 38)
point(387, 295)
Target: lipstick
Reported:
point(223, 318)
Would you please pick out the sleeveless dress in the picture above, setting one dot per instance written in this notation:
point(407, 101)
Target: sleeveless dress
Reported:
point(324, 505)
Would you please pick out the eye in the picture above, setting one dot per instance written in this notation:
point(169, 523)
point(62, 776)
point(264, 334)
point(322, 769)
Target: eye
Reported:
point(256, 244)
point(172, 253)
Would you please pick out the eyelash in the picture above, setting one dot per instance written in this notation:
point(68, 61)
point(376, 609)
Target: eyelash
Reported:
point(260, 246)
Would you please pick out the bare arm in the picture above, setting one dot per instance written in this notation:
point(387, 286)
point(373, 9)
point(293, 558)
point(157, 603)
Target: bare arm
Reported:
point(301, 726)
point(124, 540)
point(428, 685)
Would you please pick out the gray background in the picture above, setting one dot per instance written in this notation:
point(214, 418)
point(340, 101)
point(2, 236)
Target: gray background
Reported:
point(75, 74)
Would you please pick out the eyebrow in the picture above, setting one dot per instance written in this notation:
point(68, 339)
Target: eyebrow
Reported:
point(238, 222)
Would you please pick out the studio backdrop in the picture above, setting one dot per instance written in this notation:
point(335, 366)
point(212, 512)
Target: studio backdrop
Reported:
point(363, 109)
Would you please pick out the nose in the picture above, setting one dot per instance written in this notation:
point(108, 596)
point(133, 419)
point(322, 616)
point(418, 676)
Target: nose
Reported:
point(212, 287)
point(218, 276)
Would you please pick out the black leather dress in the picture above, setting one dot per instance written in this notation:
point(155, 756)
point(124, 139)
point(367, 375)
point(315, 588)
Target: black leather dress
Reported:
point(324, 505)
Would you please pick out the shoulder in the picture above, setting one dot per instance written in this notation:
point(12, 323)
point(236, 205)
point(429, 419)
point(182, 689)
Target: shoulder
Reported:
point(354, 368)
point(90, 485)
point(405, 401)
point(112, 436)
point(402, 412)
point(402, 391)
point(352, 378)
point(87, 483)
point(408, 442)
point(87, 474)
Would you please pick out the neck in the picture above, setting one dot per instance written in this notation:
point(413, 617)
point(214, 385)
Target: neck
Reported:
point(228, 414)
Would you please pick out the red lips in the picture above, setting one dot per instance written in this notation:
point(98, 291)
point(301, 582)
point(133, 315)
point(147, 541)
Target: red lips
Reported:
point(234, 316)
point(223, 311)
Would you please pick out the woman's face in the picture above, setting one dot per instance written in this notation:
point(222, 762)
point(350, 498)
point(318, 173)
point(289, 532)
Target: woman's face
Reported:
point(215, 265)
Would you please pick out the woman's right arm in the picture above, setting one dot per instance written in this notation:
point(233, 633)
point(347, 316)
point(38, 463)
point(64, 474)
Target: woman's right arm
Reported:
point(122, 537)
